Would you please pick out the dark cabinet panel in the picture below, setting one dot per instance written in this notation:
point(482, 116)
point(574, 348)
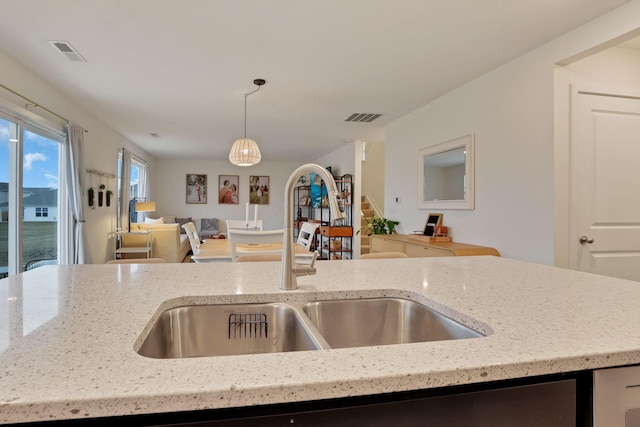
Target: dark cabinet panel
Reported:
point(550, 404)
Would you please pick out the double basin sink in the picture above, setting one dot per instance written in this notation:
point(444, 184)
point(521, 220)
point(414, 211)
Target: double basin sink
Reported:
point(234, 329)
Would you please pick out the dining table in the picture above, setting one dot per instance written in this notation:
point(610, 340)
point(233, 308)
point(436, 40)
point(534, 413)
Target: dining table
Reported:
point(213, 250)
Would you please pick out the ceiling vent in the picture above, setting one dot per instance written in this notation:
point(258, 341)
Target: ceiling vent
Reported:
point(362, 117)
point(67, 50)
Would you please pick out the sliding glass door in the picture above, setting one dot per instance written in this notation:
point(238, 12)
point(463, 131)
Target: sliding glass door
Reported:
point(29, 197)
point(40, 201)
point(8, 137)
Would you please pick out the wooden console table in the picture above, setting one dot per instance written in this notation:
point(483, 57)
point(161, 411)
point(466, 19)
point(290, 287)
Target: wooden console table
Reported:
point(415, 248)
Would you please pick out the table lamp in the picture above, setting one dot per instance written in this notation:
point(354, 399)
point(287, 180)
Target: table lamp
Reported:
point(143, 207)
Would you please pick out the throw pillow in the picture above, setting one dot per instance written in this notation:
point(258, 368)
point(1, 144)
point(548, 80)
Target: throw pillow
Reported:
point(153, 221)
point(169, 219)
point(209, 226)
point(183, 221)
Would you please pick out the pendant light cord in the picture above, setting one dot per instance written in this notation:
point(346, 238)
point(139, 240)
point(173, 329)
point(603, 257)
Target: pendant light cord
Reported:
point(245, 109)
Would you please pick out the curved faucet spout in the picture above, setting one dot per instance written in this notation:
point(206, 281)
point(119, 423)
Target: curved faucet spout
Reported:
point(290, 271)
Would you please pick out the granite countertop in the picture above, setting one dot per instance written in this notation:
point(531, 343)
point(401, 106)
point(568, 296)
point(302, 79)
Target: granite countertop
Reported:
point(67, 333)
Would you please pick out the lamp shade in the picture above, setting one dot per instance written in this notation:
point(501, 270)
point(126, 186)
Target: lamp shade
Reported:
point(245, 152)
point(145, 206)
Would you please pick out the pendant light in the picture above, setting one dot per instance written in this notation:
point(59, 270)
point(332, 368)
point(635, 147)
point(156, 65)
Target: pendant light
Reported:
point(245, 151)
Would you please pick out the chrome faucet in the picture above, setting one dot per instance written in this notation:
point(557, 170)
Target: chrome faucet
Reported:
point(291, 270)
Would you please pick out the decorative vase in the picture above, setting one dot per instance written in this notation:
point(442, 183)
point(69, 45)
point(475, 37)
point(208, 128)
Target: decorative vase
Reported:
point(90, 197)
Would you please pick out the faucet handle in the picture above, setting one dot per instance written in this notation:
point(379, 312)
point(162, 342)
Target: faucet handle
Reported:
point(306, 269)
point(312, 264)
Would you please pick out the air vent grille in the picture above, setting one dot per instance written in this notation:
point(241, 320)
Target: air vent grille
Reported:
point(67, 50)
point(362, 117)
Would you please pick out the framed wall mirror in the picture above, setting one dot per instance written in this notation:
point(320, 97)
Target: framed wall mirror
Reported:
point(446, 175)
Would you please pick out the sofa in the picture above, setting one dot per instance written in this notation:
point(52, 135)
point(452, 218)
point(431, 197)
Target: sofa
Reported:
point(166, 241)
point(208, 228)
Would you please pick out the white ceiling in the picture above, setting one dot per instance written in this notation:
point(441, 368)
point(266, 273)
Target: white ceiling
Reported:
point(180, 68)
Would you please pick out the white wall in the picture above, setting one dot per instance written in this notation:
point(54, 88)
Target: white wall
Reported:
point(511, 112)
point(101, 148)
point(169, 187)
point(342, 160)
point(513, 164)
point(616, 66)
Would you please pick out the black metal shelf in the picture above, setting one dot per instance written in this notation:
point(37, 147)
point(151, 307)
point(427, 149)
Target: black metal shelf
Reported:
point(304, 210)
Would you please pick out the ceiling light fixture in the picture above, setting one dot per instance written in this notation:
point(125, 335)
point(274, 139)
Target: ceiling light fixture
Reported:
point(245, 151)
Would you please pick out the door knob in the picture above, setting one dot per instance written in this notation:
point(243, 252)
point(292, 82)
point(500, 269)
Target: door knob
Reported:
point(585, 239)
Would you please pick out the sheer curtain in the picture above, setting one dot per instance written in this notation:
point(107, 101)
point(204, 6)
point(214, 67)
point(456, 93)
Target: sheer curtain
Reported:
point(74, 157)
point(144, 192)
point(125, 191)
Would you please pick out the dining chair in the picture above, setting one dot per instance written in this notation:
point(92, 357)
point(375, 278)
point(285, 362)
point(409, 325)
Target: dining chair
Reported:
point(263, 242)
point(194, 237)
point(138, 261)
point(379, 255)
point(260, 258)
point(242, 224)
point(307, 234)
point(194, 241)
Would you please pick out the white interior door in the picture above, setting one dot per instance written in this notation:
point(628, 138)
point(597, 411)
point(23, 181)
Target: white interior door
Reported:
point(605, 188)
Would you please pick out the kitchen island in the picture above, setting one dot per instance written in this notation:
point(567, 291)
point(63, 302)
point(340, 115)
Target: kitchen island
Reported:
point(68, 334)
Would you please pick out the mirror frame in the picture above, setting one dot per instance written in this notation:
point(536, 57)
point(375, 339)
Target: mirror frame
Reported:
point(467, 142)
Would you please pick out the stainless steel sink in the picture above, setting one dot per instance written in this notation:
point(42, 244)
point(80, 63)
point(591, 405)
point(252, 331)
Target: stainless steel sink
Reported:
point(227, 329)
point(233, 329)
point(382, 321)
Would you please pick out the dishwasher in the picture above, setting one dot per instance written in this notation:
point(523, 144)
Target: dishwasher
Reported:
point(548, 402)
point(616, 397)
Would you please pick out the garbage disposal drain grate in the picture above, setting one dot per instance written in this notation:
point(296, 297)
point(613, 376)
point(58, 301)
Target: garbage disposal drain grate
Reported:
point(248, 325)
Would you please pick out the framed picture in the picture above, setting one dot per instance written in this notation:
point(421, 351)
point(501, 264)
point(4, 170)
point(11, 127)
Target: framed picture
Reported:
point(258, 190)
point(228, 189)
point(433, 219)
point(196, 188)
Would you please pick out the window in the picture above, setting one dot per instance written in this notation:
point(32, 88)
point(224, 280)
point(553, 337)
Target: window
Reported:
point(135, 175)
point(134, 171)
point(42, 212)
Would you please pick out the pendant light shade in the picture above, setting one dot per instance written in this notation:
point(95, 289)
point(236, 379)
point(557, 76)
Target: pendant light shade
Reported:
point(245, 151)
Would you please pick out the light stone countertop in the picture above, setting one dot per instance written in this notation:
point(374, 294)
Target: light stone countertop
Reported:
point(67, 333)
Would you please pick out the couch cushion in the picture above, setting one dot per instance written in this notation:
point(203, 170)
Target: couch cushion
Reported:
point(169, 219)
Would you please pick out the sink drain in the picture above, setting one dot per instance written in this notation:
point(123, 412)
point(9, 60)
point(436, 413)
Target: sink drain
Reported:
point(248, 325)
